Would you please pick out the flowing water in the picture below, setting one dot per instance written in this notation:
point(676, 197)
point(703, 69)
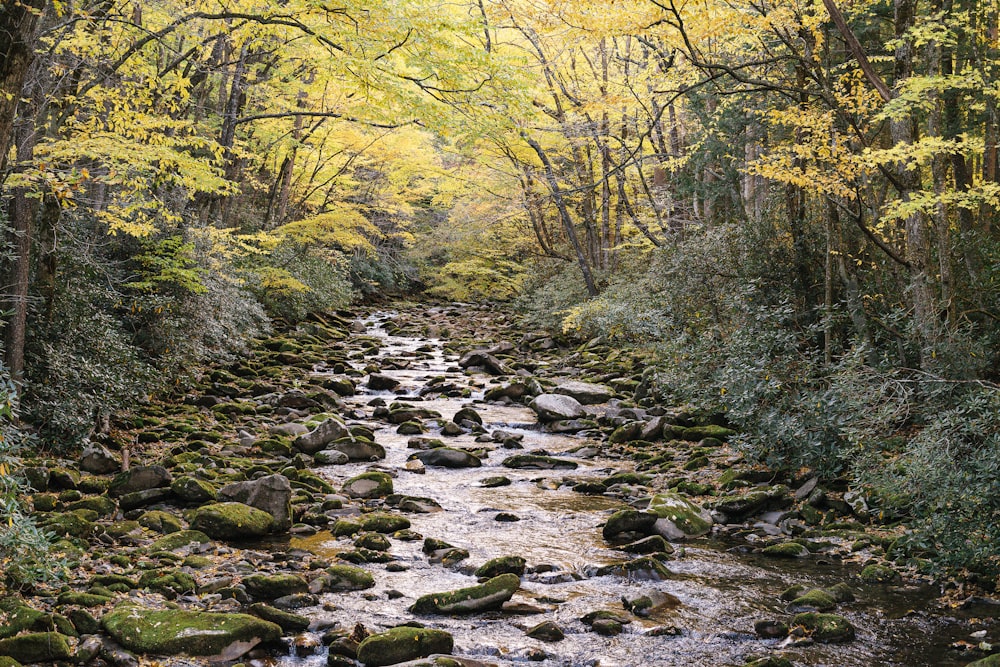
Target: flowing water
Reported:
point(722, 590)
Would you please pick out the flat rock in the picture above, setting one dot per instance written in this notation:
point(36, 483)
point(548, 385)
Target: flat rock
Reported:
point(139, 478)
point(557, 407)
point(194, 633)
point(485, 597)
point(402, 644)
point(446, 457)
point(585, 392)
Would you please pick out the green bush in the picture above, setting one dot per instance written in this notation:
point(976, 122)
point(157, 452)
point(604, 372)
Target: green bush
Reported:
point(24, 548)
point(293, 281)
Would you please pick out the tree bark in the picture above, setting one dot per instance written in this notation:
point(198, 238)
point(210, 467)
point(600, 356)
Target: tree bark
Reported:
point(17, 29)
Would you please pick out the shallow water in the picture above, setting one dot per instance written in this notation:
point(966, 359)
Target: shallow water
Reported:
point(722, 590)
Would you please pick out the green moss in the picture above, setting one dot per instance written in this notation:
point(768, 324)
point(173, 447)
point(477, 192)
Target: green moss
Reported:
point(879, 574)
point(502, 565)
point(403, 644)
point(83, 599)
point(384, 523)
point(37, 647)
point(346, 578)
point(232, 521)
point(288, 621)
point(813, 600)
point(369, 485)
point(488, 596)
point(179, 539)
point(696, 433)
point(103, 505)
point(172, 632)
point(825, 628)
point(272, 586)
point(786, 550)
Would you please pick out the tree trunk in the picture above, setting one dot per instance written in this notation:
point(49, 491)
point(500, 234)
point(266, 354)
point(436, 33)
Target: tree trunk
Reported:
point(17, 30)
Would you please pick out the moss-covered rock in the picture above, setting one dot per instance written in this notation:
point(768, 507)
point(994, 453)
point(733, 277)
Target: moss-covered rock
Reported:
point(343, 578)
point(232, 521)
point(645, 568)
point(82, 599)
point(161, 522)
point(369, 485)
point(403, 644)
point(72, 524)
point(195, 633)
point(989, 661)
point(288, 621)
point(538, 462)
point(501, 565)
point(879, 574)
point(488, 596)
point(37, 647)
point(384, 523)
point(786, 550)
point(678, 517)
point(103, 505)
point(825, 628)
point(193, 490)
point(813, 600)
point(696, 433)
point(179, 539)
point(273, 586)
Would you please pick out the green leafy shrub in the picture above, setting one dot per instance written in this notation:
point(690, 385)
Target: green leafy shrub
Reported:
point(24, 548)
point(293, 280)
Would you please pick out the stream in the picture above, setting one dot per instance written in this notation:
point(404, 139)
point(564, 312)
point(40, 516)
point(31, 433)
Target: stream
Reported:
point(722, 588)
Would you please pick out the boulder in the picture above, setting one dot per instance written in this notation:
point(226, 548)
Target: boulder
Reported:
point(139, 478)
point(340, 578)
point(584, 392)
point(825, 628)
point(485, 597)
point(446, 457)
point(678, 517)
point(483, 359)
point(546, 631)
point(273, 586)
point(98, 460)
point(380, 382)
point(557, 407)
point(193, 490)
point(45, 647)
point(232, 521)
point(331, 457)
point(369, 485)
point(272, 494)
point(402, 644)
point(318, 438)
point(359, 450)
point(194, 633)
point(628, 525)
point(538, 462)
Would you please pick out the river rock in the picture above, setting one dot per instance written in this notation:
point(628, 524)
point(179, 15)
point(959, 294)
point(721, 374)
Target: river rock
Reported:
point(273, 586)
point(139, 478)
point(825, 628)
point(144, 498)
point(288, 621)
point(317, 439)
point(501, 565)
point(98, 459)
point(402, 644)
point(546, 631)
point(358, 449)
point(645, 568)
point(628, 525)
point(194, 633)
point(369, 485)
point(557, 407)
point(678, 517)
point(37, 647)
point(340, 578)
point(538, 462)
point(380, 382)
point(483, 359)
point(485, 597)
point(446, 457)
point(193, 490)
point(232, 521)
point(584, 392)
point(331, 457)
point(272, 494)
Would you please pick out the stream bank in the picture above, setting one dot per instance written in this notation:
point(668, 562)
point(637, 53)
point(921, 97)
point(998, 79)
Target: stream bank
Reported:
point(316, 494)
